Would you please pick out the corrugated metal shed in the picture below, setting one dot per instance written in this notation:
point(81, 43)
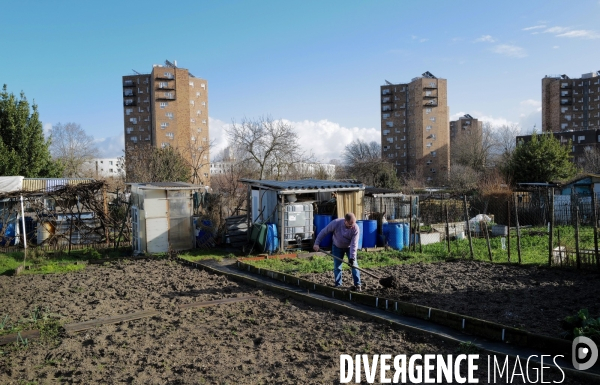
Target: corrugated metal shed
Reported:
point(303, 185)
point(51, 184)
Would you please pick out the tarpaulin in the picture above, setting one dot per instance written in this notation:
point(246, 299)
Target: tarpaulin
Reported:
point(11, 183)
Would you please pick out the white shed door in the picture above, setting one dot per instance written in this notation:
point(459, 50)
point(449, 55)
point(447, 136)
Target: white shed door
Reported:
point(157, 235)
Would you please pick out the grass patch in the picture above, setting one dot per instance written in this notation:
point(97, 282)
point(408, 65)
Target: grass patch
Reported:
point(200, 255)
point(534, 251)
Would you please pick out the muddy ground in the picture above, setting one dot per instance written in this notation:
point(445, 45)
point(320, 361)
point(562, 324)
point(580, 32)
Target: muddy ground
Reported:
point(531, 298)
point(269, 340)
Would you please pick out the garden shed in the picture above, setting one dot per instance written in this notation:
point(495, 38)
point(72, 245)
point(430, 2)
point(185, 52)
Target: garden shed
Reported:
point(161, 216)
point(292, 205)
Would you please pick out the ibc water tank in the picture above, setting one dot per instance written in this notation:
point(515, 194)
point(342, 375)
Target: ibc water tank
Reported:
point(321, 221)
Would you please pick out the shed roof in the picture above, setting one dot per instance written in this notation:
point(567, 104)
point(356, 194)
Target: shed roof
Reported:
point(166, 186)
point(304, 185)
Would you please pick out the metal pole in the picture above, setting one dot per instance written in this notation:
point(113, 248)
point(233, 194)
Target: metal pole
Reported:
point(551, 234)
point(577, 254)
point(24, 232)
point(595, 219)
point(508, 225)
point(487, 238)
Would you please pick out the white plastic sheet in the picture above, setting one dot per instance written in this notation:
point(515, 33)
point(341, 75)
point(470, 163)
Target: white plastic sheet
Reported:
point(11, 183)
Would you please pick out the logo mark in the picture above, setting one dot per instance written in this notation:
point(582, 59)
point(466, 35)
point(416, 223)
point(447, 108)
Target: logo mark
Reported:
point(584, 353)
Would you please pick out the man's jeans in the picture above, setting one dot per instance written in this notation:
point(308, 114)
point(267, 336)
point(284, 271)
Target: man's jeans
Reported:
point(337, 266)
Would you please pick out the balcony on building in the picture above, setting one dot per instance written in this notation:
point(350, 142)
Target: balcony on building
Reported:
point(565, 102)
point(128, 83)
point(129, 103)
point(165, 97)
point(165, 86)
point(128, 93)
point(430, 103)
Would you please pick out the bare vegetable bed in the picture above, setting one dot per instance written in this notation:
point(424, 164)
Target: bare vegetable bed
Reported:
point(270, 340)
point(531, 298)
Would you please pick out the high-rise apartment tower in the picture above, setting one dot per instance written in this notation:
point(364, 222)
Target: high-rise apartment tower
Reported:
point(414, 127)
point(168, 107)
point(571, 104)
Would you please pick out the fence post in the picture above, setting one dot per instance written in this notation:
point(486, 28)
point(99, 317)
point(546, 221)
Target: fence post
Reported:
point(487, 238)
point(551, 230)
point(595, 219)
point(447, 230)
point(508, 225)
point(518, 228)
point(577, 254)
point(410, 221)
point(467, 224)
point(419, 227)
point(560, 247)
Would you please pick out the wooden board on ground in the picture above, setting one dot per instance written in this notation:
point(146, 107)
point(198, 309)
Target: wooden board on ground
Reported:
point(10, 338)
point(216, 302)
point(80, 326)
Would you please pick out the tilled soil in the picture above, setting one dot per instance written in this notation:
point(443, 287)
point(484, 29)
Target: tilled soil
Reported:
point(527, 297)
point(269, 340)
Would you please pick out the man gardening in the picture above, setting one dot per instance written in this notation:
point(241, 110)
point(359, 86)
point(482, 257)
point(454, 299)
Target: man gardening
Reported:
point(345, 241)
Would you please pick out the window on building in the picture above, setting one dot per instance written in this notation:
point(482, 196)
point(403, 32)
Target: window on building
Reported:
point(391, 140)
point(128, 111)
point(581, 138)
point(386, 115)
point(198, 94)
point(191, 84)
point(203, 121)
point(134, 139)
point(169, 115)
point(133, 120)
point(168, 75)
point(164, 125)
point(389, 124)
point(163, 145)
point(110, 162)
point(432, 118)
point(163, 84)
point(428, 110)
point(204, 103)
point(163, 104)
point(129, 130)
point(110, 170)
point(428, 128)
point(203, 85)
point(433, 153)
point(170, 135)
point(192, 102)
point(199, 112)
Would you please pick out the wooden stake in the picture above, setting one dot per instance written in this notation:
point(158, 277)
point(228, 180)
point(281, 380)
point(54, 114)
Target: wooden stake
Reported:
point(487, 238)
point(468, 227)
point(551, 230)
point(518, 229)
point(447, 229)
point(577, 254)
point(508, 225)
point(595, 219)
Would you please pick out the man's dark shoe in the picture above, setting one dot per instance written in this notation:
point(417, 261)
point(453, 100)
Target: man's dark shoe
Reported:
point(357, 288)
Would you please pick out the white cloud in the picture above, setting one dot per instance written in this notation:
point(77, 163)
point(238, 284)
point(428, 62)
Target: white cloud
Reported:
point(509, 50)
point(532, 104)
point(556, 47)
point(47, 127)
point(556, 30)
point(494, 121)
point(325, 139)
point(486, 39)
point(581, 33)
point(111, 147)
point(534, 27)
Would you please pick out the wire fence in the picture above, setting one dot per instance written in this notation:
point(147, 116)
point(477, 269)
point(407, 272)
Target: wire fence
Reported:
point(538, 225)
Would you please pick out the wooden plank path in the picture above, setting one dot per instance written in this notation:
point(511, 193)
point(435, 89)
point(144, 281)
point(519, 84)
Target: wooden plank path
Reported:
point(216, 302)
point(29, 334)
point(80, 326)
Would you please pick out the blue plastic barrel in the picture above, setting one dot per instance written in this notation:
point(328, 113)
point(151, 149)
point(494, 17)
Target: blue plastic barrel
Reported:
point(321, 221)
point(406, 235)
point(396, 236)
point(272, 240)
point(361, 226)
point(370, 233)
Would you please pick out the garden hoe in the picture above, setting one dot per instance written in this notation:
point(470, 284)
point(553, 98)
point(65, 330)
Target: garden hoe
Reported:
point(387, 282)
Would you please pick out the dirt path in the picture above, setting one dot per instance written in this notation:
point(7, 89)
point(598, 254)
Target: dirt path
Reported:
point(530, 298)
point(270, 340)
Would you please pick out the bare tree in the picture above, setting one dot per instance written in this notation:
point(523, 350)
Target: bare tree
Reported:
point(72, 147)
point(197, 154)
point(476, 150)
point(363, 161)
point(463, 178)
point(506, 142)
point(145, 163)
point(591, 160)
point(271, 144)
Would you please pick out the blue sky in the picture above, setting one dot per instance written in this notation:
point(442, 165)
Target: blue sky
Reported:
point(317, 64)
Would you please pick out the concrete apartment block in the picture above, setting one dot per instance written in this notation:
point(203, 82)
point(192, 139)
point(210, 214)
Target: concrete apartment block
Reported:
point(571, 104)
point(463, 132)
point(169, 107)
point(415, 135)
